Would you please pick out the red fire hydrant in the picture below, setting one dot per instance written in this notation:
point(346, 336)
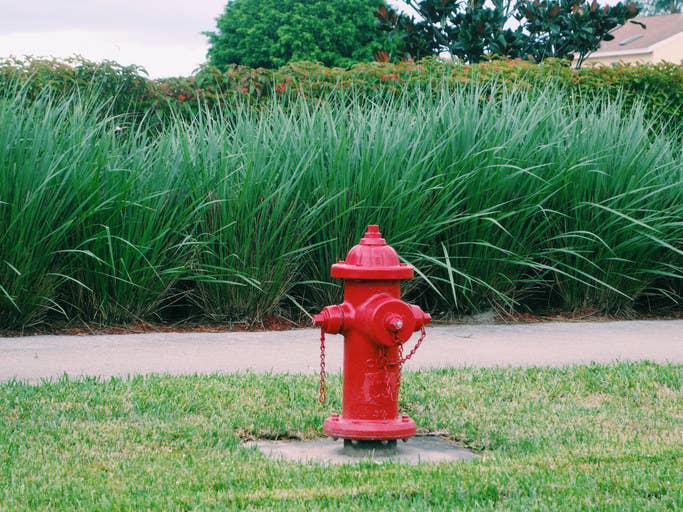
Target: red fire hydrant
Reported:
point(375, 323)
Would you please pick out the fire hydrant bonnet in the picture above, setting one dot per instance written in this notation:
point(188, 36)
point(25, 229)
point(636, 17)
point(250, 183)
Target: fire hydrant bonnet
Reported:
point(372, 259)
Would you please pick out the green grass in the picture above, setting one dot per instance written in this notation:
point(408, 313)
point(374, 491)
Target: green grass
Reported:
point(522, 201)
point(577, 438)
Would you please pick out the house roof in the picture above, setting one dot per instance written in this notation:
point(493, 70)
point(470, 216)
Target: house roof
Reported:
point(632, 38)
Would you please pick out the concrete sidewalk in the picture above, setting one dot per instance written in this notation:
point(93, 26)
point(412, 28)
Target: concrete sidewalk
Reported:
point(546, 344)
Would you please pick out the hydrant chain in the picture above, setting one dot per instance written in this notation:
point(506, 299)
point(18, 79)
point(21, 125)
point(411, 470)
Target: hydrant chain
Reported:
point(322, 395)
point(423, 334)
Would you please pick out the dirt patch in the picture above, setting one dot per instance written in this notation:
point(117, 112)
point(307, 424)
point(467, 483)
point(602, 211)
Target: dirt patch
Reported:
point(267, 324)
point(275, 323)
point(581, 315)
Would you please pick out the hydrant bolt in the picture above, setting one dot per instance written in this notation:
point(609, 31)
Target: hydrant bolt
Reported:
point(393, 323)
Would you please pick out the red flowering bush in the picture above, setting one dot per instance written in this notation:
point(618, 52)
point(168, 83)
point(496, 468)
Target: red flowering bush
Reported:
point(659, 87)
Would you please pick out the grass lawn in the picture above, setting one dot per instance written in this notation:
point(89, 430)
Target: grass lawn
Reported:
point(585, 437)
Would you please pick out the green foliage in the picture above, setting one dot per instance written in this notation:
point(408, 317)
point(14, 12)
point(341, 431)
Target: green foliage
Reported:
point(659, 88)
point(469, 31)
point(124, 88)
point(659, 7)
point(474, 31)
point(504, 199)
point(570, 29)
point(271, 33)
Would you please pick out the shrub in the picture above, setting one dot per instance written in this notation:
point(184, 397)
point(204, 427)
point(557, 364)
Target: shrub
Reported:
point(658, 88)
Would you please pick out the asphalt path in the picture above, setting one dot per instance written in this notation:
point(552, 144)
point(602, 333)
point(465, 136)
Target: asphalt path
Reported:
point(34, 358)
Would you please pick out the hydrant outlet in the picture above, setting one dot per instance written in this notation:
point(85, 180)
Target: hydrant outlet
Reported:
point(331, 319)
point(387, 320)
point(421, 318)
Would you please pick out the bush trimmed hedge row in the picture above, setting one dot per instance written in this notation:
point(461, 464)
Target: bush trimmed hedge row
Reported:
point(658, 87)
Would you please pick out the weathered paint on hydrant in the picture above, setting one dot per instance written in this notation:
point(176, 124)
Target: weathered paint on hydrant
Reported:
point(375, 323)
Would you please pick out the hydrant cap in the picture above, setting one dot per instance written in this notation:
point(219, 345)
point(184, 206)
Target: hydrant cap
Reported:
point(372, 259)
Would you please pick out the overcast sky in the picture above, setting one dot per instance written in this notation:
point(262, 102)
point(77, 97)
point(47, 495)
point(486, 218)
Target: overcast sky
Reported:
point(162, 36)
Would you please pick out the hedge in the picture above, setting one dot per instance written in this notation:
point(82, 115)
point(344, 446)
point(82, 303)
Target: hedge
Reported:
point(658, 87)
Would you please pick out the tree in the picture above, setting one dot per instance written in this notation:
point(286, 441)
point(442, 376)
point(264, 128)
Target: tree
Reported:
point(570, 29)
point(473, 30)
point(654, 7)
point(271, 33)
point(466, 30)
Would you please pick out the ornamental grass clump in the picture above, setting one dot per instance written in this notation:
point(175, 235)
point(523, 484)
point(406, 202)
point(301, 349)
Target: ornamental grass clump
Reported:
point(48, 153)
point(505, 200)
point(129, 259)
point(256, 218)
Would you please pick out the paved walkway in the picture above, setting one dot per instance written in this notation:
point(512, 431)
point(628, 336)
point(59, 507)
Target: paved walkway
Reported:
point(547, 344)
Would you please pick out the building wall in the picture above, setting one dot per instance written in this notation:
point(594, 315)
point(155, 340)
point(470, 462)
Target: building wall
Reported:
point(671, 52)
point(642, 58)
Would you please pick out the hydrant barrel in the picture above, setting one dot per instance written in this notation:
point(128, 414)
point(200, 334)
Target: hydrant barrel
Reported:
point(375, 323)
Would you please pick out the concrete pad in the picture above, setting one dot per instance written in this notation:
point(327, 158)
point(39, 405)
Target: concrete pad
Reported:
point(418, 450)
point(33, 358)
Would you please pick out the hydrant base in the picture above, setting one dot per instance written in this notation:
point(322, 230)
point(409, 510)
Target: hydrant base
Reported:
point(402, 427)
